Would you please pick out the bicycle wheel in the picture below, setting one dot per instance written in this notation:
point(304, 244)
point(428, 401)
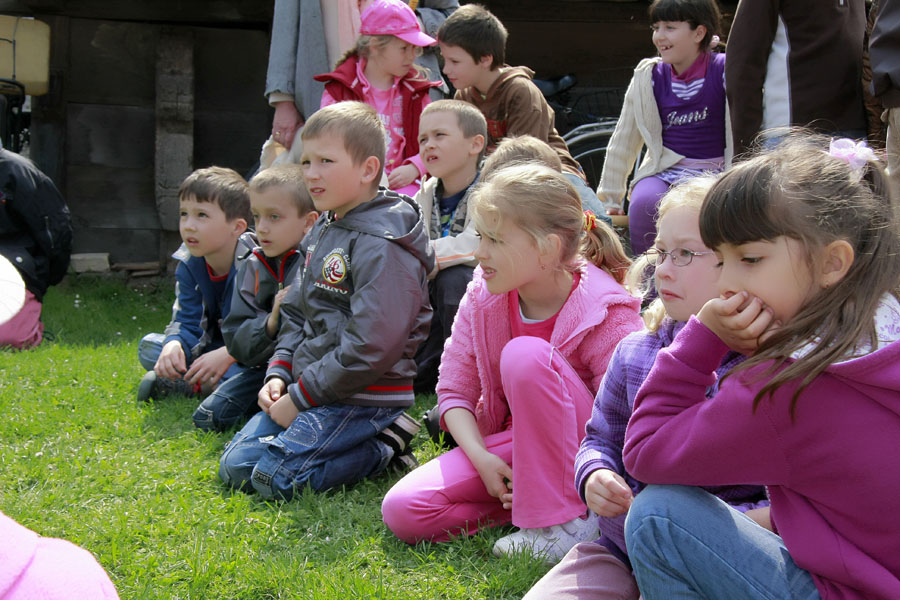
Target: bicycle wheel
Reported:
point(589, 150)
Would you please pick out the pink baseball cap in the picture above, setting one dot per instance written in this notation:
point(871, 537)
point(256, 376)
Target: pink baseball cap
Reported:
point(393, 17)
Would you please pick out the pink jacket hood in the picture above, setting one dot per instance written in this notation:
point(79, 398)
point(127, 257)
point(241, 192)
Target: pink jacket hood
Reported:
point(598, 313)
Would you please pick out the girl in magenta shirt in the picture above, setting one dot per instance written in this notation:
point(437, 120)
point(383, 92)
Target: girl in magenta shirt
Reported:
point(809, 247)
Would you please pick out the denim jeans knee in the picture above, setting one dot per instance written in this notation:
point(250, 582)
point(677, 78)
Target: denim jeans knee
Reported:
point(231, 402)
point(325, 447)
point(245, 449)
point(684, 542)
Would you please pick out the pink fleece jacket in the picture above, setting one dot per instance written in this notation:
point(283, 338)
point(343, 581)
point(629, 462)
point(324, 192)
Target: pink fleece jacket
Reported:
point(831, 471)
point(32, 566)
point(598, 313)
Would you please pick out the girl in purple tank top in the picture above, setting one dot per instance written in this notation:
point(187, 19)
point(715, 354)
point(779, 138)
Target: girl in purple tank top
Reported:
point(675, 107)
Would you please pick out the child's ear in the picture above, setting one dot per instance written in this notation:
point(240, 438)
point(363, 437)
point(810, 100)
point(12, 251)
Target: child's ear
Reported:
point(477, 144)
point(309, 220)
point(837, 257)
point(239, 226)
point(486, 61)
point(699, 34)
point(552, 247)
point(371, 169)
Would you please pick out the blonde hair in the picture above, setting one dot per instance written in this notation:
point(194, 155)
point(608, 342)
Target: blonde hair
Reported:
point(521, 148)
point(358, 126)
point(639, 279)
point(366, 44)
point(288, 177)
point(542, 201)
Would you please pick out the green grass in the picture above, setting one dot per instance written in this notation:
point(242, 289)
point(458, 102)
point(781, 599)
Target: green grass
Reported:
point(136, 484)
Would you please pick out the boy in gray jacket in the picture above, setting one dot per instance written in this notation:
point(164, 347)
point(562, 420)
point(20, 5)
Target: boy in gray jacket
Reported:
point(341, 377)
point(282, 213)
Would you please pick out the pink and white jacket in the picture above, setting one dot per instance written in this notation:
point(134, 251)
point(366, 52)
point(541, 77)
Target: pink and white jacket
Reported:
point(598, 313)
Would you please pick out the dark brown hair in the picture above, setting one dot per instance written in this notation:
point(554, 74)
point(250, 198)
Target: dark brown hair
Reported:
point(693, 12)
point(477, 31)
point(222, 186)
point(800, 191)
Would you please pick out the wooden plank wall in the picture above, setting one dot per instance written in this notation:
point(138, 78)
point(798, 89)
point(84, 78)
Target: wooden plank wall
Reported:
point(95, 132)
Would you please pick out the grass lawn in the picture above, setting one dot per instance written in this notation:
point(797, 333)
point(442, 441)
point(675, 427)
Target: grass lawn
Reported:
point(136, 484)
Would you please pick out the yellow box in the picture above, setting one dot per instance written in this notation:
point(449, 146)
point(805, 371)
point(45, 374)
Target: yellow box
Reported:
point(25, 52)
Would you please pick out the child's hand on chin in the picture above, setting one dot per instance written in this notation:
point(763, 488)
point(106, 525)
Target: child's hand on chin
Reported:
point(740, 321)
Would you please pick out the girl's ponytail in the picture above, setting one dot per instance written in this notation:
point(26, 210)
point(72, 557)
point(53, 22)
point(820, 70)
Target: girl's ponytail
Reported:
point(602, 247)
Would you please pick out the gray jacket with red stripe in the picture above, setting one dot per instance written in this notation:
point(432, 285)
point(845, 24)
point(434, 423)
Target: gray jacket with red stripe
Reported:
point(258, 279)
point(353, 319)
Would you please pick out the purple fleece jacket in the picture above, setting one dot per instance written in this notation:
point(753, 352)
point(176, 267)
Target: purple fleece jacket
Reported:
point(602, 446)
point(831, 471)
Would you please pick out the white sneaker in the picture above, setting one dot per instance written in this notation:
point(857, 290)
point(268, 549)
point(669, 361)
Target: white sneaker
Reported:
point(549, 543)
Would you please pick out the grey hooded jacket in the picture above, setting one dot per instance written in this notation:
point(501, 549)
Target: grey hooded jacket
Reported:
point(258, 279)
point(353, 319)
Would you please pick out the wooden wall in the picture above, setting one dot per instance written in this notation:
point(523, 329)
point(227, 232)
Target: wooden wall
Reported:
point(98, 132)
point(95, 134)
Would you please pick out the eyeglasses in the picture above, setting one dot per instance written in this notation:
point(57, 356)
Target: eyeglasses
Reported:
point(681, 257)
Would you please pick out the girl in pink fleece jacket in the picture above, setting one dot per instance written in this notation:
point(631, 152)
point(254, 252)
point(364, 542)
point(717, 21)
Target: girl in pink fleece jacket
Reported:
point(809, 248)
point(529, 347)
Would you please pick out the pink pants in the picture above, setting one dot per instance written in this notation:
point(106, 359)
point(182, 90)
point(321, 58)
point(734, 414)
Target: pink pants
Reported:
point(588, 572)
point(25, 329)
point(550, 405)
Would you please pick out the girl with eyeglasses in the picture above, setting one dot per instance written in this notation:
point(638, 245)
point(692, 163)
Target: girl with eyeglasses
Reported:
point(601, 568)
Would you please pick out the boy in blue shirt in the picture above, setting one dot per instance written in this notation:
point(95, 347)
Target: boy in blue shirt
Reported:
point(190, 356)
point(283, 213)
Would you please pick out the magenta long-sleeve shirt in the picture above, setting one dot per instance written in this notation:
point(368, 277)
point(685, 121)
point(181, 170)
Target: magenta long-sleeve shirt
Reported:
point(831, 472)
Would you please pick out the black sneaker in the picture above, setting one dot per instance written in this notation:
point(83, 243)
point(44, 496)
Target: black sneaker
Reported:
point(403, 462)
point(399, 434)
point(156, 387)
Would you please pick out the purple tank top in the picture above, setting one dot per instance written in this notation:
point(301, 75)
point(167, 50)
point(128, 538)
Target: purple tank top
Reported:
point(694, 127)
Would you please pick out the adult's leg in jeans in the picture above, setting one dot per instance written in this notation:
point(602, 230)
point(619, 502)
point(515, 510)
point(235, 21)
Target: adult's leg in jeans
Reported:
point(643, 205)
point(684, 542)
point(232, 401)
point(550, 405)
point(446, 497)
point(325, 447)
point(588, 572)
point(246, 448)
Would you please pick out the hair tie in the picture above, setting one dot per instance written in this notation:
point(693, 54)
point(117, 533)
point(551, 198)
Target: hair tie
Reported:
point(588, 220)
point(855, 154)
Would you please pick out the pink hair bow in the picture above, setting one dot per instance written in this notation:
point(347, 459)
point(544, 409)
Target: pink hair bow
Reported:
point(855, 154)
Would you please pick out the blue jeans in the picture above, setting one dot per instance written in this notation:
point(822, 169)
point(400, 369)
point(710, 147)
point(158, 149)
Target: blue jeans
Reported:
point(232, 401)
point(325, 447)
point(684, 542)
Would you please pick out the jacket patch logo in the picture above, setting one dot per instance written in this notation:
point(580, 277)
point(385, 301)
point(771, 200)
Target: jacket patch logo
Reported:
point(334, 268)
